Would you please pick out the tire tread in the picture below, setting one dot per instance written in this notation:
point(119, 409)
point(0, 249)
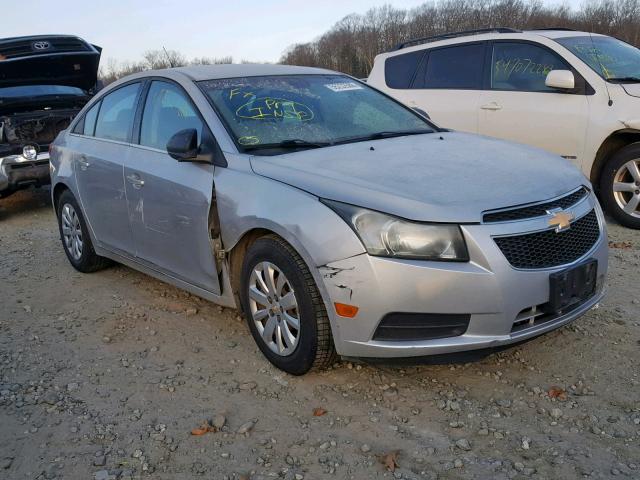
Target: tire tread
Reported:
point(619, 158)
point(92, 262)
point(326, 353)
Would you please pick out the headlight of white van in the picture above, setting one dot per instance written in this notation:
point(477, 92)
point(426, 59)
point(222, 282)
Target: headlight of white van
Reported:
point(388, 236)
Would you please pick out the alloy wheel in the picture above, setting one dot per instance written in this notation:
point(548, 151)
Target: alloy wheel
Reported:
point(71, 231)
point(274, 308)
point(626, 188)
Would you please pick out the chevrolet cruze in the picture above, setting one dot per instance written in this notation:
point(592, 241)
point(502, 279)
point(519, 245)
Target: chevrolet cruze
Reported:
point(337, 219)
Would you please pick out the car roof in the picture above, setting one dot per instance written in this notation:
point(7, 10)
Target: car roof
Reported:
point(457, 38)
point(562, 33)
point(212, 72)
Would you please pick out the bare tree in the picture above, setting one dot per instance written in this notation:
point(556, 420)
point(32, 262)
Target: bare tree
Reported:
point(211, 60)
point(153, 60)
point(163, 58)
point(352, 43)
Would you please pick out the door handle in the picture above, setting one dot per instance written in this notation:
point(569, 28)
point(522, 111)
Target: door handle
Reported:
point(135, 180)
point(491, 106)
point(83, 163)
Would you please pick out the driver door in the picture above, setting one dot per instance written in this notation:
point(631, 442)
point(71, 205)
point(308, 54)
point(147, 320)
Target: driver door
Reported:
point(169, 201)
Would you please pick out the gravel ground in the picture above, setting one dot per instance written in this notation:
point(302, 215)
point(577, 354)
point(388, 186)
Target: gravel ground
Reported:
point(106, 375)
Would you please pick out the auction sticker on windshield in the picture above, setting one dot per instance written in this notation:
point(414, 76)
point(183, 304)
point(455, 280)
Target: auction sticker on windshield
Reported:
point(343, 86)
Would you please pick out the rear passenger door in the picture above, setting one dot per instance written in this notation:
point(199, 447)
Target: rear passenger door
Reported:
point(101, 145)
point(168, 200)
point(518, 106)
point(446, 83)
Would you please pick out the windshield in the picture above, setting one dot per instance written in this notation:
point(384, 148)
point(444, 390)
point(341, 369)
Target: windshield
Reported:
point(609, 57)
point(38, 91)
point(306, 111)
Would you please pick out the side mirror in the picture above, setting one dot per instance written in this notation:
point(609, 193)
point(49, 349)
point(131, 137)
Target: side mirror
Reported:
point(561, 79)
point(183, 146)
point(421, 112)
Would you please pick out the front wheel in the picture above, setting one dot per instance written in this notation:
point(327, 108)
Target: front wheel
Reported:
point(620, 186)
point(284, 309)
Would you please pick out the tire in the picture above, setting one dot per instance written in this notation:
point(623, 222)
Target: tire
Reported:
point(312, 347)
point(616, 172)
point(84, 259)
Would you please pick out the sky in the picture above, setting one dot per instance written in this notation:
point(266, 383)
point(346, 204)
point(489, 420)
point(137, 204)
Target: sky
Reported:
point(251, 30)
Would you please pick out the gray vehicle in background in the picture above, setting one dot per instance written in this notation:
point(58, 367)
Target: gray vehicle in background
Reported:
point(337, 219)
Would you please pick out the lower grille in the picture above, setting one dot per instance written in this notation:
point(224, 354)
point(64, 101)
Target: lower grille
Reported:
point(421, 326)
point(539, 314)
point(550, 248)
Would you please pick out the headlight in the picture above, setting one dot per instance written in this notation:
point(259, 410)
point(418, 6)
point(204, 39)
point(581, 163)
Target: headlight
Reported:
point(387, 236)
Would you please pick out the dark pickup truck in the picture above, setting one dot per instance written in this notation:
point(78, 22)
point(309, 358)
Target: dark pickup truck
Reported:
point(44, 82)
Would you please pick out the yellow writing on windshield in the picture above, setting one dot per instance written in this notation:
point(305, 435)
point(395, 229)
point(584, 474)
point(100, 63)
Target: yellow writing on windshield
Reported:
point(238, 92)
point(265, 108)
point(249, 140)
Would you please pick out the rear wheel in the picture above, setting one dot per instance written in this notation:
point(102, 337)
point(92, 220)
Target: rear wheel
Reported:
point(75, 236)
point(284, 309)
point(620, 186)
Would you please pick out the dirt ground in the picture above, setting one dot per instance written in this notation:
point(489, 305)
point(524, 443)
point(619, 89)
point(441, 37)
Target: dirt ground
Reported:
point(105, 375)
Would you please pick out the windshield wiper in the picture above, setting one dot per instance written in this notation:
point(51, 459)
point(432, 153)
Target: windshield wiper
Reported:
point(382, 135)
point(624, 79)
point(292, 143)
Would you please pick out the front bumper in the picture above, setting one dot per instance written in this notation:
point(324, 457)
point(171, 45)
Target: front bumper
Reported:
point(494, 294)
point(17, 172)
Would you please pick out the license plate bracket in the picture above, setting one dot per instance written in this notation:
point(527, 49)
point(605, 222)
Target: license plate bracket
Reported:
point(573, 285)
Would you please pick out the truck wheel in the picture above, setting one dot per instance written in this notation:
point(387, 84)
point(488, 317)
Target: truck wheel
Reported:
point(620, 186)
point(284, 309)
point(75, 236)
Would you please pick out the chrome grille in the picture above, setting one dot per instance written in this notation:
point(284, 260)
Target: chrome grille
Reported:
point(550, 248)
point(537, 210)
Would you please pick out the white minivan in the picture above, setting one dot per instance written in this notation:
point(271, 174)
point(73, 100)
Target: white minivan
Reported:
point(572, 93)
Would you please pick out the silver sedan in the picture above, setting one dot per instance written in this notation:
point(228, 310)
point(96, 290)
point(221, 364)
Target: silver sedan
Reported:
point(337, 219)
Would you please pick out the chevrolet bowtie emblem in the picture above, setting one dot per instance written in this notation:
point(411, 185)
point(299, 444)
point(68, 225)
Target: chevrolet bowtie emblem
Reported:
point(560, 219)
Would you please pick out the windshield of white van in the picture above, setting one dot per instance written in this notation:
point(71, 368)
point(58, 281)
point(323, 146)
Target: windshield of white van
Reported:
point(612, 59)
point(269, 114)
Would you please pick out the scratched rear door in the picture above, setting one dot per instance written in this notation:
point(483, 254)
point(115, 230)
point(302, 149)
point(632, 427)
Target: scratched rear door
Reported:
point(168, 200)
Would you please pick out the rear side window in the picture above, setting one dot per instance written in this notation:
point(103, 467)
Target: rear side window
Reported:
point(90, 120)
point(523, 67)
point(456, 68)
point(115, 118)
point(400, 69)
point(167, 110)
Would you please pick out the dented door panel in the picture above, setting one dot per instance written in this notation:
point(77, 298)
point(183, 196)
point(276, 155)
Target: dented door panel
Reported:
point(168, 204)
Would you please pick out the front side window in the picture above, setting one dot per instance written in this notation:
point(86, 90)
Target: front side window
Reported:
point(167, 111)
point(115, 118)
point(523, 67)
point(400, 69)
point(299, 110)
point(609, 57)
point(455, 68)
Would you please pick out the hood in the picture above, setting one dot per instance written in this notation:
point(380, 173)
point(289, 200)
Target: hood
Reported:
point(440, 177)
point(632, 89)
point(48, 60)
